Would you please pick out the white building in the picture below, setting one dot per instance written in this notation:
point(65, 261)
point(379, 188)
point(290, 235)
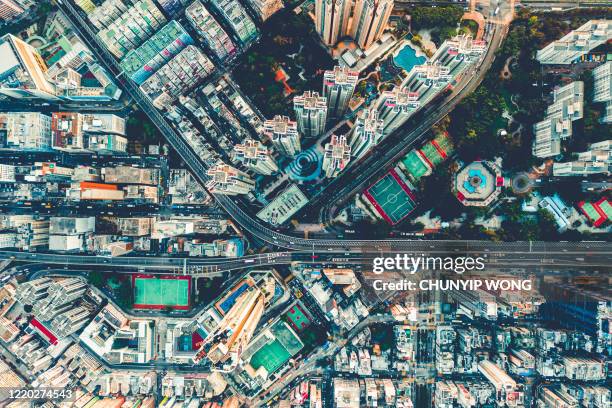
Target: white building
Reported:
point(69, 233)
point(337, 156)
point(338, 87)
point(602, 89)
point(311, 114)
point(567, 107)
point(7, 173)
point(395, 107)
point(570, 48)
point(596, 160)
point(367, 132)
point(283, 134)
point(255, 156)
point(25, 131)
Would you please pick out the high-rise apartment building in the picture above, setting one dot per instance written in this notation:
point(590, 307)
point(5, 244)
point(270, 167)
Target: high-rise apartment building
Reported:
point(338, 87)
point(32, 291)
point(370, 19)
point(337, 156)
point(125, 26)
point(211, 31)
point(61, 296)
point(505, 387)
point(225, 179)
point(226, 343)
point(367, 132)
point(395, 107)
point(266, 8)
point(427, 80)
point(311, 114)
point(237, 18)
point(283, 134)
point(458, 53)
point(23, 73)
point(255, 156)
point(25, 131)
point(332, 19)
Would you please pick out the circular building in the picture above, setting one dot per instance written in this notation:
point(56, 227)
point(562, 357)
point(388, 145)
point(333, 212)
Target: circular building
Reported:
point(478, 183)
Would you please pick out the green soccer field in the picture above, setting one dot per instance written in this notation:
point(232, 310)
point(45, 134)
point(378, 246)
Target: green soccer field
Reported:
point(271, 356)
point(161, 292)
point(392, 199)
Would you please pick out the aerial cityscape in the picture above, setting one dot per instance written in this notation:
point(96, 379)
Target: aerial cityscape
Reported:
point(305, 203)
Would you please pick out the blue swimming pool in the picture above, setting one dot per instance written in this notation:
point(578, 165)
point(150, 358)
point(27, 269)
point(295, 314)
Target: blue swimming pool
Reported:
point(407, 58)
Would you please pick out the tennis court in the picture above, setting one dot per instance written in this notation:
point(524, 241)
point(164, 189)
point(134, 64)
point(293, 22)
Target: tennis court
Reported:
point(152, 292)
point(391, 197)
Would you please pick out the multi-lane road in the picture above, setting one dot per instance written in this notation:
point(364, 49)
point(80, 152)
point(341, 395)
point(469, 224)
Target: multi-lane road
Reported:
point(558, 255)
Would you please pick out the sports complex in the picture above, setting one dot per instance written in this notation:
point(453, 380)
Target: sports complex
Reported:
point(273, 348)
point(159, 292)
point(391, 197)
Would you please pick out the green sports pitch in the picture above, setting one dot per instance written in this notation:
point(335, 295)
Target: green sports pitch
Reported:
point(391, 197)
point(275, 353)
point(152, 292)
point(271, 356)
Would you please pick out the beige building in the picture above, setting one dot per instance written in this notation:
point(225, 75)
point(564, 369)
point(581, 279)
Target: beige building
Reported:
point(234, 332)
point(130, 175)
point(332, 19)
point(265, 8)
point(370, 19)
point(135, 227)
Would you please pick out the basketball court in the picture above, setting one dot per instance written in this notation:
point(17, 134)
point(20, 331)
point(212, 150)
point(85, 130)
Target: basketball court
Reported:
point(297, 318)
